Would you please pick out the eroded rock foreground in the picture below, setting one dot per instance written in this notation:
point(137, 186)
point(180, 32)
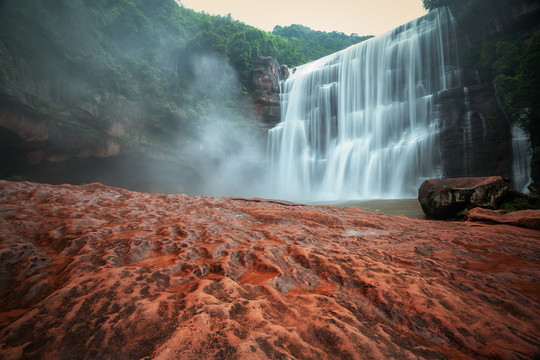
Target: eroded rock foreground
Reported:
point(98, 272)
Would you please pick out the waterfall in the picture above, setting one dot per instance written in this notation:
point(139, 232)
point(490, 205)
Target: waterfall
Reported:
point(521, 162)
point(362, 123)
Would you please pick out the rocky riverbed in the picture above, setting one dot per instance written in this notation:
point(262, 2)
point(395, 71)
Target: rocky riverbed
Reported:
point(98, 272)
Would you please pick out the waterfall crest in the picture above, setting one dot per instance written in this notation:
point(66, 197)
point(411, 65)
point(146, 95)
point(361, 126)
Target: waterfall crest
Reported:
point(361, 123)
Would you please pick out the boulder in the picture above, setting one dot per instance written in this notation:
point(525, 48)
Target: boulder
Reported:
point(451, 198)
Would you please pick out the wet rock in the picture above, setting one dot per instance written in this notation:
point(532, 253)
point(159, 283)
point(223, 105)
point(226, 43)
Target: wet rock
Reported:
point(525, 218)
point(284, 72)
point(450, 198)
point(265, 83)
point(26, 128)
point(266, 76)
point(99, 272)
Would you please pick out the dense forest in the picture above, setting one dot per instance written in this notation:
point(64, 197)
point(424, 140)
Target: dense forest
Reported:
point(178, 65)
point(314, 44)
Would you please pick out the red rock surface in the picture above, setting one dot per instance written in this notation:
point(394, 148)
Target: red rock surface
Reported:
point(525, 218)
point(98, 272)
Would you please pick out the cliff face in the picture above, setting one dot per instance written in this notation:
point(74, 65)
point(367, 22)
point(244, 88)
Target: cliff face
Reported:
point(519, 18)
point(476, 135)
point(265, 83)
point(478, 113)
point(62, 146)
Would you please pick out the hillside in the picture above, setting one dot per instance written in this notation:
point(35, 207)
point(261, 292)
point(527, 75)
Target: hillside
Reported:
point(313, 44)
point(104, 79)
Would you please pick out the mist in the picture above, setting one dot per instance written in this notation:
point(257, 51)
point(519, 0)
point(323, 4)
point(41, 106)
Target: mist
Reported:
point(230, 148)
point(130, 98)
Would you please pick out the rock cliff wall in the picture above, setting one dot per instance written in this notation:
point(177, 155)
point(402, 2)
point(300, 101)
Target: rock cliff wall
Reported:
point(265, 84)
point(45, 144)
point(477, 113)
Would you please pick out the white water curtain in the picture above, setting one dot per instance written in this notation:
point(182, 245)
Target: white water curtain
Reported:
point(360, 123)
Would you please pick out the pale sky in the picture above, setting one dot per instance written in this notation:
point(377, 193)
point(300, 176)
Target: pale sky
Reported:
point(364, 17)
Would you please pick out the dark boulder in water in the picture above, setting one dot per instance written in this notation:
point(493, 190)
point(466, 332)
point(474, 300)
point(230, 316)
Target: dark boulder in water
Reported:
point(451, 198)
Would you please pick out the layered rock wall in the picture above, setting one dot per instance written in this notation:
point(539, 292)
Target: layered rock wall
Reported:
point(265, 84)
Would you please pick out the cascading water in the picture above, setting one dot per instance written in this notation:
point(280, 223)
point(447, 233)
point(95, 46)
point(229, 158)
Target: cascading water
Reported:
point(521, 162)
point(361, 123)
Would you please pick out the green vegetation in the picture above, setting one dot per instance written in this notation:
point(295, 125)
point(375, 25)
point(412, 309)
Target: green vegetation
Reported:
point(432, 4)
point(316, 44)
point(178, 66)
point(518, 204)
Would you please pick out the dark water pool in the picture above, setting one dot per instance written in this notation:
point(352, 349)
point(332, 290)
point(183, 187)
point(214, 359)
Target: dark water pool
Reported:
point(402, 207)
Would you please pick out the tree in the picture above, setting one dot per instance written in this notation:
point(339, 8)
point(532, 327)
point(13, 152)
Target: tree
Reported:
point(314, 44)
point(432, 4)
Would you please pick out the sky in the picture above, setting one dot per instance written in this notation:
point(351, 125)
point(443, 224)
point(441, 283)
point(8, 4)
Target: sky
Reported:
point(363, 17)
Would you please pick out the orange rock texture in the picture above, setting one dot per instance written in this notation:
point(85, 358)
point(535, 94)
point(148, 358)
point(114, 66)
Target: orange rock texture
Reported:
point(94, 272)
point(525, 218)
